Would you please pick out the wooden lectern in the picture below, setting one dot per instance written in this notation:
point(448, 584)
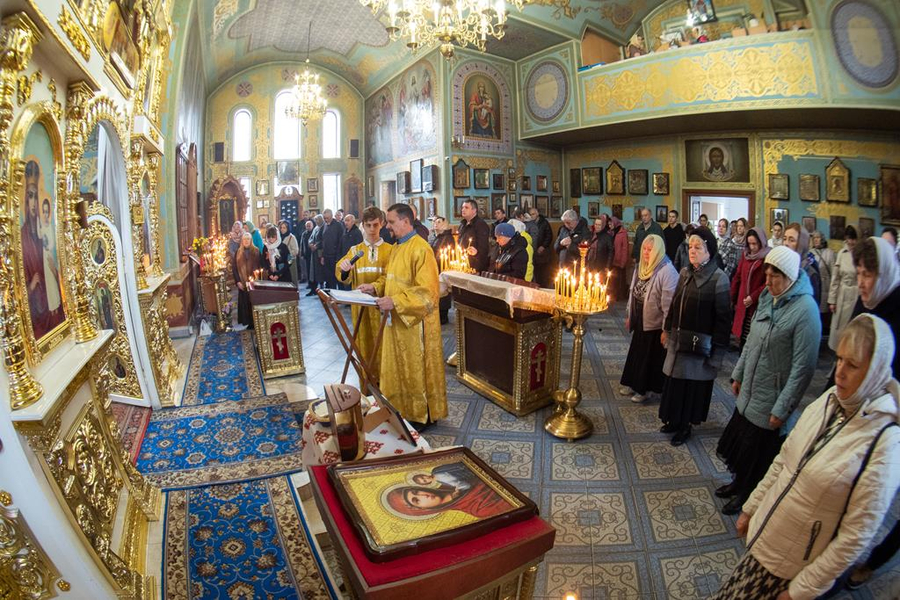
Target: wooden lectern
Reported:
point(276, 322)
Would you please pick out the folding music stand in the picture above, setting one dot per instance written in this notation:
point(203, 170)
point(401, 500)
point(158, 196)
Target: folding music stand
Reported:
point(361, 363)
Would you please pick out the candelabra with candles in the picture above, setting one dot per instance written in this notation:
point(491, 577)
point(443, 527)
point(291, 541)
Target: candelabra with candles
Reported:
point(455, 259)
point(213, 261)
point(578, 296)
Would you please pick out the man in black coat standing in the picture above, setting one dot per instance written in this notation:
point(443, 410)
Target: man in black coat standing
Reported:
point(573, 232)
point(304, 249)
point(331, 247)
point(474, 237)
point(673, 235)
point(351, 237)
point(543, 248)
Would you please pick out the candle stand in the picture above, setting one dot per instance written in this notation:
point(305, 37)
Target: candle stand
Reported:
point(577, 298)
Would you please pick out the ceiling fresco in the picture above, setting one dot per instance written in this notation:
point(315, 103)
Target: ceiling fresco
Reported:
point(347, 39)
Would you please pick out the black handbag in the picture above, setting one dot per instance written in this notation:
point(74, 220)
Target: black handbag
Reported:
point(692, 341)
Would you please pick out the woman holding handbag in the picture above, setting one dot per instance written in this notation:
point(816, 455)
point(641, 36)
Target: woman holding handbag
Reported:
point(824, 497)
point(695, 336)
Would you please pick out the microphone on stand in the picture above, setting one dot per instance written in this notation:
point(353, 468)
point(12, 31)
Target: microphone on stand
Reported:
point(359, 254)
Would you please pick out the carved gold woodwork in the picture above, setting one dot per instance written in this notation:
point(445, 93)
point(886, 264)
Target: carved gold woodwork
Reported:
point(24, 86)
point(79, 94)
point(18, 36)
point(57, 107)
point(264, 318)
point(70, 27)
point(25, 569)
point(89, 471)
point(156, 264)
point(136, 209)
point(167, 369)
point(107, 271)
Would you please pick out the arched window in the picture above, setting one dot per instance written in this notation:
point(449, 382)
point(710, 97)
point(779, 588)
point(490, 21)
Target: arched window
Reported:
point(241, 135)
point(287, 130)
point(331, 134)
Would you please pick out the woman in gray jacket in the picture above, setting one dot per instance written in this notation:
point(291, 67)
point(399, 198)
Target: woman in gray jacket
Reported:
point(772, 374)
point(652, 288)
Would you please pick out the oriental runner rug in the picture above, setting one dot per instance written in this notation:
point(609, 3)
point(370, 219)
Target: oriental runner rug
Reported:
point(241, 541)
point(222, 443)
point(223, 367)
point(132, 422)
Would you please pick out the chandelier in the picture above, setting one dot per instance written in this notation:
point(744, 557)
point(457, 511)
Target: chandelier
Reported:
point(307, 101)
point(447, 23)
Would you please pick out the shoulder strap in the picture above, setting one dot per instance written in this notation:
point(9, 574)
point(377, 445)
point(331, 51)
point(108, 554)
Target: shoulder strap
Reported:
point(862, 468)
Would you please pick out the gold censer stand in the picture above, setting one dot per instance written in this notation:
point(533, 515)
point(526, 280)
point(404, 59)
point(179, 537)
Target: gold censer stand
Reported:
point(566, 422)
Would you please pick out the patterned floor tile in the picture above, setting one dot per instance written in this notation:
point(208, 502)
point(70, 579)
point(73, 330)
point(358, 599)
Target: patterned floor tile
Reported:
point(584, 462)
point(886, 585)
point(494, 418)
point(597, 415)
point(640, 418)
point(598, 519)
point(457, 410)
point(709, 447)
point(719, 415)
point(600, 581)
point(510, 458)
point(439, 440)
point(696, 575)
point(680, 514)
point(661, 460)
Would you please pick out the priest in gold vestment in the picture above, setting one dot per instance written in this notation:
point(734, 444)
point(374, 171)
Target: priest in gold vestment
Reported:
point(412, 365)
point(367, 269)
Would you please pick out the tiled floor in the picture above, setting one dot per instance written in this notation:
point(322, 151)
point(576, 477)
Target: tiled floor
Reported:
point(635, 517)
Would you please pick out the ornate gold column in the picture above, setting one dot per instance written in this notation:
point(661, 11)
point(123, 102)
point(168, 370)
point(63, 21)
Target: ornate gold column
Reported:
point(24, 566)
point(18, 36)
point(154, 159)
point(76, 102)
point(136, 207)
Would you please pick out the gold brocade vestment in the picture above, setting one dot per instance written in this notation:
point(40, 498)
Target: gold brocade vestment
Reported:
point(412, 361)
point(366, 270)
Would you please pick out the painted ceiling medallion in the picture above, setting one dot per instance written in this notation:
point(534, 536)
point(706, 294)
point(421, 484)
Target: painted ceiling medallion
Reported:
point(546, 91)
point(244, 89)
point(865, 43)
point(340, 26)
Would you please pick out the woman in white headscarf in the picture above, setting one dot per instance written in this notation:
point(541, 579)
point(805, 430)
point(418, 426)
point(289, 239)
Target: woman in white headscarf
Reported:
point(276, 256)
point(823, 499)
point(878, 280)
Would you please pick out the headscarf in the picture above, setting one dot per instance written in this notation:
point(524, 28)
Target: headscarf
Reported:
point(604, 223)
point(255, 235)
point(656, 256)
point(237, 232)
point(888, 273)
point(250, 226)
point(879, 377)
point(760, 235)
point(616, 222)
point(273, 249)
point(739, 240)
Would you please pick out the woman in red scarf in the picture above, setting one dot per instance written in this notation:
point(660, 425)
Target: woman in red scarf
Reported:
point(748, 283)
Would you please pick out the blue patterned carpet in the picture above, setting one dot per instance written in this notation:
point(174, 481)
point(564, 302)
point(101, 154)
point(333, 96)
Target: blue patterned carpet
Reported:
point(240, 541)
point(217, 443)
point(223, 367)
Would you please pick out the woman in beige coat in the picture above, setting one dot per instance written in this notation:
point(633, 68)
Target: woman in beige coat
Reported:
point(843, 293)
point(823, 499)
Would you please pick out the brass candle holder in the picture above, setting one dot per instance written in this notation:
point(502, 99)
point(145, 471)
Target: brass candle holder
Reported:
point(577, 298)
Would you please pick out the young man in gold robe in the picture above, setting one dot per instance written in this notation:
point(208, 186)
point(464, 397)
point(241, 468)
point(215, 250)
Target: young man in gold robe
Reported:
point(412, 362)
point(367, 269)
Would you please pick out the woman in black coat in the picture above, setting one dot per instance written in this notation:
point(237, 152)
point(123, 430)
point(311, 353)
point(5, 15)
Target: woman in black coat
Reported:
point(442, 237)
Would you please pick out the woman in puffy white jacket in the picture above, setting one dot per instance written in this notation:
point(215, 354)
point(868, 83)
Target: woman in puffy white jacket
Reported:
point(825, 495)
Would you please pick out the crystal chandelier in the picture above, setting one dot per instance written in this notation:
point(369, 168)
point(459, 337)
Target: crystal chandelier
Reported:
point(307, 101)
point(448, 23)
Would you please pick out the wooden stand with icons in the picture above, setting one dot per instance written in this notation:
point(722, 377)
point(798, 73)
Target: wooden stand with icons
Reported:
point(361, 361)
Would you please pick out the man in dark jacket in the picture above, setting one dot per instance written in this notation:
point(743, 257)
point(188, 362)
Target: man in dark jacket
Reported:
point(574, 230)
point(673, 235)
point(304, 249)
point(331, 247)
point(421, 229)
point(512, 258)
point(499, 217)
point(645, 228)
point(350, 237)
point(543, 248)
point(474, 237)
